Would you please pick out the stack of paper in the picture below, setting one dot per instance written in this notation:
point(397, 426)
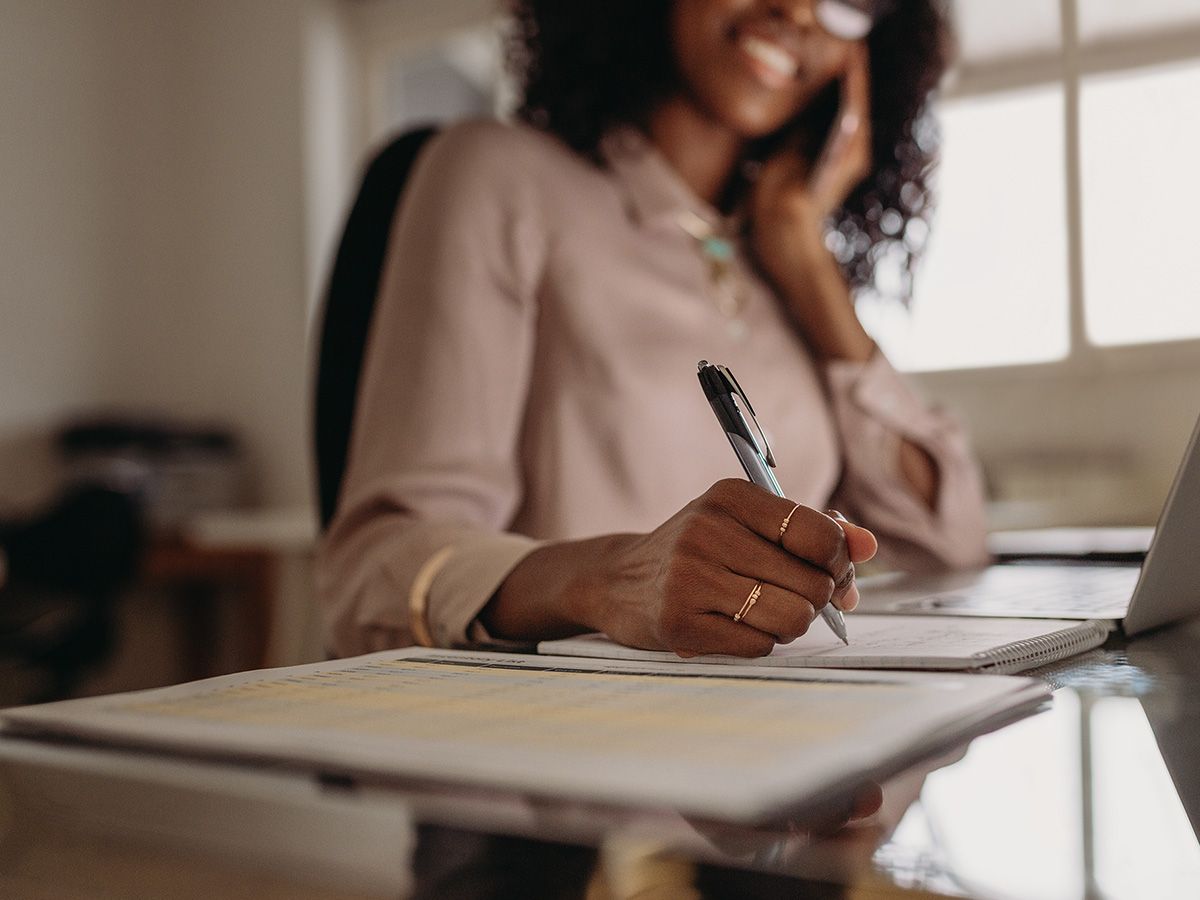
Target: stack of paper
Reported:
point(746, 744)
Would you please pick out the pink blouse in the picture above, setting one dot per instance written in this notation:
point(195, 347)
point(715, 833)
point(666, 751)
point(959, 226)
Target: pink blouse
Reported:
point(531, 376)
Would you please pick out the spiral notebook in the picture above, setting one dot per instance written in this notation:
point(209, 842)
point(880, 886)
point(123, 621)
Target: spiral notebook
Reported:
point(895, 642)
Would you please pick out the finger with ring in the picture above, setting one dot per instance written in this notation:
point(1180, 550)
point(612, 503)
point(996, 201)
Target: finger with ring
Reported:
point(781, 613)
point(750, 601)
point(787, 520)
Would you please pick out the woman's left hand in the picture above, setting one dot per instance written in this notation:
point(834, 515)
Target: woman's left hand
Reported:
point(791, 201)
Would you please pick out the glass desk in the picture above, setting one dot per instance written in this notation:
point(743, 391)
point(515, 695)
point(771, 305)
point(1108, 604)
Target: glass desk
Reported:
point(1097, 796)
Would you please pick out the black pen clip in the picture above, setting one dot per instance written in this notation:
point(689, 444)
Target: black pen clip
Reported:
point(759, 436)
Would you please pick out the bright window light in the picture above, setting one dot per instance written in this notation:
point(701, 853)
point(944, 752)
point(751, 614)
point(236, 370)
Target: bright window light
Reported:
point(1141, 141)
point(988, 31)
point(1111, 20)
point(1145, 845)
point(992, 287)
point(1007, 819)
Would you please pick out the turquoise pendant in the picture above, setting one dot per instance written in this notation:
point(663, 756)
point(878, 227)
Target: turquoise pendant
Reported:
point(718, 248)
point(720, 254)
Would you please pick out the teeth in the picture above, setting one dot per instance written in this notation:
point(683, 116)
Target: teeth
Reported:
point(771, 55)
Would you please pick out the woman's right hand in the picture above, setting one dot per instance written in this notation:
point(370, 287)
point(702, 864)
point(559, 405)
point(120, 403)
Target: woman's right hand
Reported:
point(678, 587)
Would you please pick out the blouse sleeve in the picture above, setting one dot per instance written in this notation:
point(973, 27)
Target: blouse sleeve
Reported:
point(433, 476)
point(875, 409)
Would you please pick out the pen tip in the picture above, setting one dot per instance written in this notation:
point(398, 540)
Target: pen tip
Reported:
point(701, 365)
point(837, 624)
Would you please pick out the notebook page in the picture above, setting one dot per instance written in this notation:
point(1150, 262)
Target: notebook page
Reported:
point(901, 642)
point(675, 736)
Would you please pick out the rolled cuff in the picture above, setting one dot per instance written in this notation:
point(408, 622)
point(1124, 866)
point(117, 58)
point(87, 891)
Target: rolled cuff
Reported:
point(875, 409)
point(462, 588)
point(366, 580)
point(876, 389)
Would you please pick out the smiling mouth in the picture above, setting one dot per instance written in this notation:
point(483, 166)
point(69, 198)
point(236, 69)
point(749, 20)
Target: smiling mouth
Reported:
point(773, 65)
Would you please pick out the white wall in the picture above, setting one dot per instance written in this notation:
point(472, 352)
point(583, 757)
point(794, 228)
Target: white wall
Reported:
point(334, 117)
point(1098, 447)
point(152, 219)
point(54, 207)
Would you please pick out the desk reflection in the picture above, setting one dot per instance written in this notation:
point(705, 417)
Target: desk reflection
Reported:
point(1096, 797)
point(1099, 796)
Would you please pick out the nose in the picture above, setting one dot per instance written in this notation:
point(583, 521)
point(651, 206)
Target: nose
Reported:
point(800, 12)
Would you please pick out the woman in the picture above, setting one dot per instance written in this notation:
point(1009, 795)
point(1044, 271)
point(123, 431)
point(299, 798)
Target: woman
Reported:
point(531, 448)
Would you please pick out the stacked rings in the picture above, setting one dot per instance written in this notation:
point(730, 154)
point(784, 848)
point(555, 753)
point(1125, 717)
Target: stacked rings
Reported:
point(750, 601)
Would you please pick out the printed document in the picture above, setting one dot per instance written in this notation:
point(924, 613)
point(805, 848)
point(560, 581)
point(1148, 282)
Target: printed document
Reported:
point(707, 740)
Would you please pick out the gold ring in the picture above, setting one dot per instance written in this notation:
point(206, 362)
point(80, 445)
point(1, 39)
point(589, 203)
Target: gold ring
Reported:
point(750, 601)
point(783, 526)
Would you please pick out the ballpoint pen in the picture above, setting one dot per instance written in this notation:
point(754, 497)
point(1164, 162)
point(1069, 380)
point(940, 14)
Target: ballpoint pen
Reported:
point(723, 393)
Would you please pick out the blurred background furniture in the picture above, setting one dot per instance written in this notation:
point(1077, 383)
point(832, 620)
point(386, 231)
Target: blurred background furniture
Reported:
point(63, 571)
point(261, 556)
point(147, 560)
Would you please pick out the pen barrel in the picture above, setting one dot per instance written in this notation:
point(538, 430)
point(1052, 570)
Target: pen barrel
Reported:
point(719, 387)
point(753, 463)
point(758, 472)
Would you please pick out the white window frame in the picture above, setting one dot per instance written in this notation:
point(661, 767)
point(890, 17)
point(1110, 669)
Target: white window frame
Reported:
point(1068, 66)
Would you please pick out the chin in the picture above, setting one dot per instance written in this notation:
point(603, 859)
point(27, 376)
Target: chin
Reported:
point(753, 114)
point(757, 129)
point(751, 123)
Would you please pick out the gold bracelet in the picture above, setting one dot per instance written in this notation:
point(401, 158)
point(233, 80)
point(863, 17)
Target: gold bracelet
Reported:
point(418, 596)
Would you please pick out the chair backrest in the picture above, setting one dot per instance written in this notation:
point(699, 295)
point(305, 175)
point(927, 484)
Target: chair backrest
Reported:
point(349, 303)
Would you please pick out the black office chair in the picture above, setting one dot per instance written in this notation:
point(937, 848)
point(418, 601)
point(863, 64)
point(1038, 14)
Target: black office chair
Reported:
point(349, 303)
point(63, 571)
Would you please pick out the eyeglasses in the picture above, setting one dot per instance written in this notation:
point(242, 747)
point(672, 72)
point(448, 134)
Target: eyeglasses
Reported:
point(850, 20)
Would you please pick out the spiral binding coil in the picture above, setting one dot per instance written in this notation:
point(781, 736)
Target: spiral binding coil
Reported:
point(1044, 649)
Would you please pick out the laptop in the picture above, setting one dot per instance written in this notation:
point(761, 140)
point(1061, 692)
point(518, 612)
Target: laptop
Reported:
point(1165, 588)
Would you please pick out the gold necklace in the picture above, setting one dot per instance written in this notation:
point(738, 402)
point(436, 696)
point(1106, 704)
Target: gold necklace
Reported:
point(718, 248)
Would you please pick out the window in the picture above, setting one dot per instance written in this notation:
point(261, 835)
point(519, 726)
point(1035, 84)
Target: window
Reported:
point(1000, 199)
point(1103, 21)
point(1141, 141)
point(1065, 204)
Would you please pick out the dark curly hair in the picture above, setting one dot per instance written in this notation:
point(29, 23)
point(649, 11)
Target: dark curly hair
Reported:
point(589, 65)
